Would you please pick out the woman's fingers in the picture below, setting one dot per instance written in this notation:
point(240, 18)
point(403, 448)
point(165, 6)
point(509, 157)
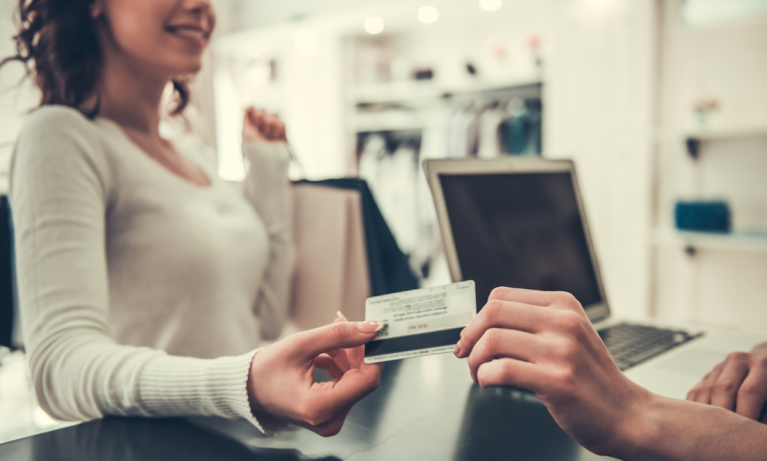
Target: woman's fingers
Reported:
point(752, 394)
point(307, 345)
point(281, 133)
point(501, 314)
point(325, 401)
point(498, 343)
point(267, 126)
point(510, 372)
point(346, 358)
point(327, 363)
point(333, 426)
point(341, 357)
point(355, 355)
point(725, 389)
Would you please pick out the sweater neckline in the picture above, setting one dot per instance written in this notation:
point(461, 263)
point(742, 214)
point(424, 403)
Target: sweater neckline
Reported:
point(157, 163)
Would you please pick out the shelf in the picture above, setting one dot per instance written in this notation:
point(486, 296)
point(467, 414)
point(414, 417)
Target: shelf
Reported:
point(388, 121)
point(722, 135)
point(409, 92)
point(694, 139)
point(755, 242)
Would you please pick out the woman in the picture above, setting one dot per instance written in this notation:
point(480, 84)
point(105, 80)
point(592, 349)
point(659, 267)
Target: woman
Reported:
point(145, 282)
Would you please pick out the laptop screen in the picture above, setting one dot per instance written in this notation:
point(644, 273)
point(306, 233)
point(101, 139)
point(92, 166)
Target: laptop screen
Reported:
point(520, 230)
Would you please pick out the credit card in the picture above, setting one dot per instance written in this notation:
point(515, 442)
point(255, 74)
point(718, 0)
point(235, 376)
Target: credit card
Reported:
point(419, 322)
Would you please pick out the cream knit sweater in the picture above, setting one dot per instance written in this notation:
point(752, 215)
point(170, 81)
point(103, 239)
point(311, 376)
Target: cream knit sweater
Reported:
point(141, 293)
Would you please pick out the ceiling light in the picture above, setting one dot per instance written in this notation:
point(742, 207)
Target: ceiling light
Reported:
point(490, 5)
point(374, 25)
point(428, 14)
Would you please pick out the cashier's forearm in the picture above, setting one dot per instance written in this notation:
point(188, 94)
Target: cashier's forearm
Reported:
point(671, 429)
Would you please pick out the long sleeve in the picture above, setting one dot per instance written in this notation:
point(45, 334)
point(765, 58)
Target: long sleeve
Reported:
point(62, 186)
point(267, 188)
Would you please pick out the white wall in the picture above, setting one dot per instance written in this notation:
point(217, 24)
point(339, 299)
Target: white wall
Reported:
point(718, 286)
point(599, 110)
point(15, 100)
point(600, 77)
point(599, 103)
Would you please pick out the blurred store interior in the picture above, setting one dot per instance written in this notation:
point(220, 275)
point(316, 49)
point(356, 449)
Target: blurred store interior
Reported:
point(658, 102)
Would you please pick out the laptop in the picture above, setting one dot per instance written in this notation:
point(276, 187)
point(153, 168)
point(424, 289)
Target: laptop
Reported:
point(520, 222)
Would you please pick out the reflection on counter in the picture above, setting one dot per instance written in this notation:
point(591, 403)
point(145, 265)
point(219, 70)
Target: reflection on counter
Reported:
point(138, 439)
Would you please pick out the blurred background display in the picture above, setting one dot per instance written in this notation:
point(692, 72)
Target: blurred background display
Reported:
point(658, 102)
point(661, 104)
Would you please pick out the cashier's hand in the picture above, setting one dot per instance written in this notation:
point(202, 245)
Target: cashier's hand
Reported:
point(281, 385)
point(259, 125)
point(738, 384)
point(544, 342)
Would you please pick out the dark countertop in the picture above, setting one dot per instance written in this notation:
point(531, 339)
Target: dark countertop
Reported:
point(426, 409)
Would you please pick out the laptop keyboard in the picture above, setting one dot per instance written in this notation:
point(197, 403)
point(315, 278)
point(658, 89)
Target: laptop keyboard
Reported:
point(632, 344)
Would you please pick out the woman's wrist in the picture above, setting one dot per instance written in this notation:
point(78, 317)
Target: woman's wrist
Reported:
point(268, 423)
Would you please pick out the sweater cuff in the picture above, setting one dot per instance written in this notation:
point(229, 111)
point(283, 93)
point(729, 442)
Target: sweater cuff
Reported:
point(272, 156)
point(184, 386)
point(264, 422)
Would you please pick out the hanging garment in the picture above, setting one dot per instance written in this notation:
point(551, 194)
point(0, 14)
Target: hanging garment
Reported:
point(491, 119)
point(391, 171)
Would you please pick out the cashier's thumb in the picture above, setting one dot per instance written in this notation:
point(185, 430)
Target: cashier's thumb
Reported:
point(339, 335)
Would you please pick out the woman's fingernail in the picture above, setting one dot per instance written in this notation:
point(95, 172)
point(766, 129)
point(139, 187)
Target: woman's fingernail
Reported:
point(369, 327)
point(341, 316)
point(457, 350)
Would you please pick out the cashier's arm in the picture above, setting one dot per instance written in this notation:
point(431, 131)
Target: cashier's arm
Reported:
point(543, 341)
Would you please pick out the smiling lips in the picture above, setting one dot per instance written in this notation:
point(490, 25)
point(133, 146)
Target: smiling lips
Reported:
point(189, 33)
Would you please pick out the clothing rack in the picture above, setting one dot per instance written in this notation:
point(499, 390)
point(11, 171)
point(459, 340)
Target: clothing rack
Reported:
point(500, 94)
point(397, 131)
point(403, 114)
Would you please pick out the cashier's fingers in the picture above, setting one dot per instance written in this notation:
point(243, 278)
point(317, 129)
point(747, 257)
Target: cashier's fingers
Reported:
point(499, 343)
point(752, 395)
point(534, 297)
point(701, 393)
point(500, 314)
point(726, 387)
point(511, 372)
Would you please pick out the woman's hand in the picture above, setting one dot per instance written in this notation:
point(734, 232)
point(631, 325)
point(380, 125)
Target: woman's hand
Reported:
point(738, 384)
point(544, 342)
point(259, 125)
point(281, 384)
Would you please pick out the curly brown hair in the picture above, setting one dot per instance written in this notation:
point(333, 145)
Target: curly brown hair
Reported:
point(58, 45)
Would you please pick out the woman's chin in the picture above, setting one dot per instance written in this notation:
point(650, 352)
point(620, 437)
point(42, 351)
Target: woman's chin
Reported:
point(180, 73)
point(189, 67)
